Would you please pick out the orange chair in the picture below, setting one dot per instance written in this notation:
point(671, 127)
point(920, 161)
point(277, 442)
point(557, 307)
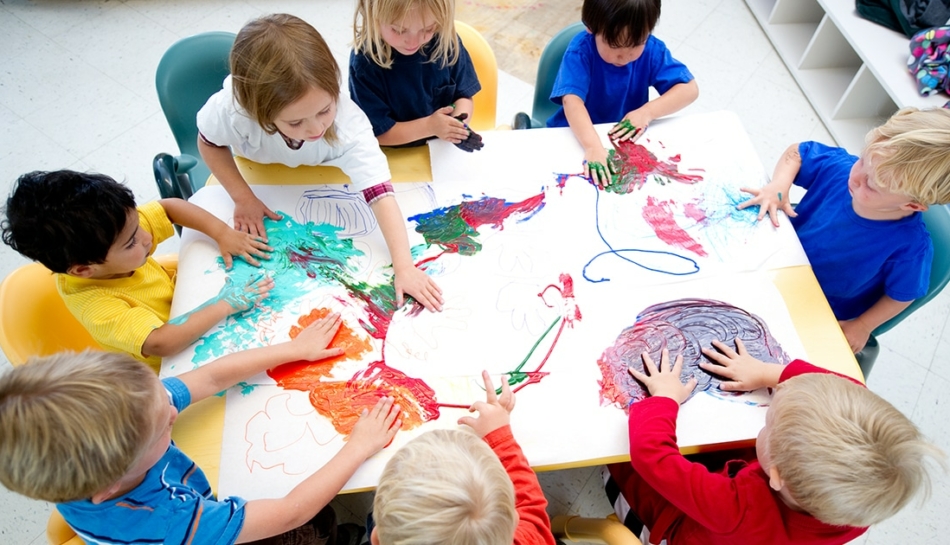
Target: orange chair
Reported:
point(486, 68)
point(607, 530)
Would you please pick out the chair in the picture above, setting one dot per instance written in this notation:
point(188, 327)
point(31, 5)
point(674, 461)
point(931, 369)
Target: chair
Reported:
point(548, 66)
point(593, 530)
point(60, 533)
point(190, 71)
point(937, 219)
point(486, 68)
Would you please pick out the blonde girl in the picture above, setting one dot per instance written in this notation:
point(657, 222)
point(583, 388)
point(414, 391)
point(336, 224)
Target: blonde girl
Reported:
point(410, 72)
point(282, 104)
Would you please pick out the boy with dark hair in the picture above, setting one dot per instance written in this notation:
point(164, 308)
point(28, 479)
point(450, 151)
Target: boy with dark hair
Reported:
point(87, 230)
point(606, 75)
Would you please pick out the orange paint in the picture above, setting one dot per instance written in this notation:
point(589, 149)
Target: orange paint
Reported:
point(298, 375)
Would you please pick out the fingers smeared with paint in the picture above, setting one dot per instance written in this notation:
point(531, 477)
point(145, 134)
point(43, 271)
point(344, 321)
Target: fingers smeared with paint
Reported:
point(684, 327)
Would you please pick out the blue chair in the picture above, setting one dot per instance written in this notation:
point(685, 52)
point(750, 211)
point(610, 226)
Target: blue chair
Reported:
point(548, 66)
point(937, 219)
point(190, 71)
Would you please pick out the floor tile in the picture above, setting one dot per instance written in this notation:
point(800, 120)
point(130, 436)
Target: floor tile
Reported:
point(897, 379)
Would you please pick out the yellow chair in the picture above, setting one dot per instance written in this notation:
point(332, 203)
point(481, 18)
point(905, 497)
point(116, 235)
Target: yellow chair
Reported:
point(34, 321)
point(486, 68)
point(607, 530)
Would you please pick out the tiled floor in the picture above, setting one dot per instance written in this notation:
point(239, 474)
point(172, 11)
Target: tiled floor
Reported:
point(76, 91)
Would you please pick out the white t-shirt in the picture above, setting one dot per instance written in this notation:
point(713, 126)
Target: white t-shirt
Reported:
point(356, 152)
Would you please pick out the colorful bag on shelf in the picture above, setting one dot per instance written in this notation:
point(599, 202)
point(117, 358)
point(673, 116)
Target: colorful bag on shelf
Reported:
point(929, 60)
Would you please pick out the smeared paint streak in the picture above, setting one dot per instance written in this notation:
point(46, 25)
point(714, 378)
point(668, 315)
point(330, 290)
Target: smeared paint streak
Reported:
point(455, 228)
point(632, 164)
point(694, 211)
point(684, 327)
point(299, 374)
point(342, 402)
point(659, 215)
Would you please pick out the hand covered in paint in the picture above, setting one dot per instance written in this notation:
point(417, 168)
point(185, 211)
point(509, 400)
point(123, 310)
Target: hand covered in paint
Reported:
point(597, 167)
point(249, 217)
point(376, 427)
point(418, 284)
point(856, 332)
point(664, 381)
point(243, 297)
point(631, 127)
point(745, 373)
point(493, 413)
point(246, 246)
point(312, 342)
point(770, 199)
point(474, 140)
point(448, 128)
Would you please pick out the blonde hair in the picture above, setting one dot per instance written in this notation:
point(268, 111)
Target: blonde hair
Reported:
point(847, 456)
point(445, 487)
point(73, 424)
point(276, 59)
point(372, 14)
point(909, 154)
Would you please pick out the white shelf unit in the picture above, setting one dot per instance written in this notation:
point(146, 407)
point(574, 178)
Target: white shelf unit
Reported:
point(853, 71)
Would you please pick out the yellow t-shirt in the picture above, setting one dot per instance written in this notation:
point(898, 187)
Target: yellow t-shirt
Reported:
point(120, 313)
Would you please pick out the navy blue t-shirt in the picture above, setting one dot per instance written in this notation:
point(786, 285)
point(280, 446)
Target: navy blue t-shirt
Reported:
point(411, 88)
point(856, 260)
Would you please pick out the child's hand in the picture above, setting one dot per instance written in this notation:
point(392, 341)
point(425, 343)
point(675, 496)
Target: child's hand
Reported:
point(770, 199)
point(856, 332)
point(376, 428)
point(631, 127)
point(244, 245)
point(249, 217)
point(446, 127)
point(474, 140)
point(744, 372)
point(597, 167)
point(418, 284)
point(247, 296)
point(312, 342)
point(493, 413)
point(662, 383)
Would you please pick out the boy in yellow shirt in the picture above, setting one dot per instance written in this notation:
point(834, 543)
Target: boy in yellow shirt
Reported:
point(87, 229)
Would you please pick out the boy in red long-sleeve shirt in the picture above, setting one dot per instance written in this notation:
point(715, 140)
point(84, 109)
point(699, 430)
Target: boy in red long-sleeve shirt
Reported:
point(832, 459)
point(455, 487)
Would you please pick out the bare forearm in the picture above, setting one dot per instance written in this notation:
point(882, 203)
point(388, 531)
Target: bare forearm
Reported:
point(235, 367)
point(405, 132)
point(188, 215)
point(787, 168)
point(882, 311)
point(581, 125)
point(393, 227)
point(265, 518)
point(222, 165)
point(675, 99)
point(176, 335)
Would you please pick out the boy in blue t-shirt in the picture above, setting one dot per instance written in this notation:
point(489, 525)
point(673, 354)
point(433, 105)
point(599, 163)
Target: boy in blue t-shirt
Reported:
point(91, 432)
point(606, 75)
point(859, 222)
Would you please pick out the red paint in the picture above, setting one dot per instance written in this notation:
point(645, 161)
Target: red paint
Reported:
point(639, 163)
point(694, 212)
point(298, 374)
point(660, 217)
point(492, 211)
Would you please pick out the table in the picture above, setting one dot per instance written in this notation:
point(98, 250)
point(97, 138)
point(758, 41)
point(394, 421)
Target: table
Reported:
point(198, 428)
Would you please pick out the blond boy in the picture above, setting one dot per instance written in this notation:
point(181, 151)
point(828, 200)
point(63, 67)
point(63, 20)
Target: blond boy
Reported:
point(86, 228)
point(832, 459)
point(860, 221)
point(92, 433)
point(455, 487)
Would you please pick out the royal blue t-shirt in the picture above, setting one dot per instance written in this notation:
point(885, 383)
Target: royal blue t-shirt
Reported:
point(173, 505)
point(610, 92)
point(412, 88)
point(856, 260)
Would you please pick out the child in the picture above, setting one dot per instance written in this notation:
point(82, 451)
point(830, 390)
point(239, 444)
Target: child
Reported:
point(411, 74)
point(861, 215)
point(448, 487)
point(86, 228)
point(606, 74)
point(832, 459)
point(92, 433)
point(282, 104)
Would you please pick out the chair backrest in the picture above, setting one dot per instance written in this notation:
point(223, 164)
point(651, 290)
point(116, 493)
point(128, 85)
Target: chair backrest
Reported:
point(486, 68)
point(190, 71)
point(58, 532)
point(548, 66)
point(34, 321)
point(937, 219)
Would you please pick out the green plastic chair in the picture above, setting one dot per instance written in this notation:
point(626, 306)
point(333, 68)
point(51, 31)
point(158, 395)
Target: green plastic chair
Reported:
point(190, 72)
point(548, 66)
point(937, 219)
